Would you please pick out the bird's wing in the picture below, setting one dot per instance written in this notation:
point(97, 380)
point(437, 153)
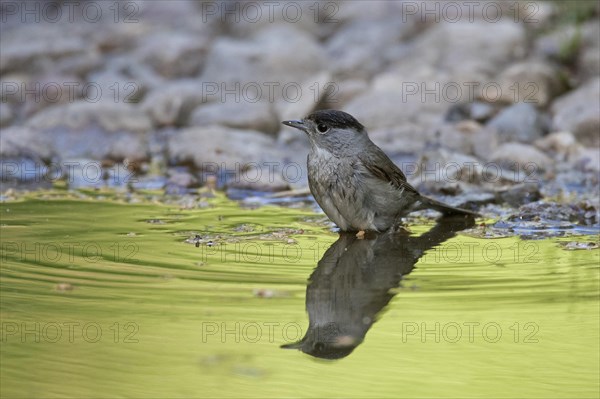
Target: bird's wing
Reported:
point(378, 164)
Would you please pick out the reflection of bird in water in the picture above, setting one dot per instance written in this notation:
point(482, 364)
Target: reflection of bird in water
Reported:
point(352, 284)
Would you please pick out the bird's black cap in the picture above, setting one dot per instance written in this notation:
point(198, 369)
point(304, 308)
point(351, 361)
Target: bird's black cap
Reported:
point(335, 119)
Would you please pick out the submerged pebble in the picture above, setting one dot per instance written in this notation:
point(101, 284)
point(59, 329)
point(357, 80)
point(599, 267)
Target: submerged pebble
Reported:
point(574, 245)
point(64, 287)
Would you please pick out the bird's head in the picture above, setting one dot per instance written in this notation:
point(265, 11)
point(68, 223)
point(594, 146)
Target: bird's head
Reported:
point(331, 130)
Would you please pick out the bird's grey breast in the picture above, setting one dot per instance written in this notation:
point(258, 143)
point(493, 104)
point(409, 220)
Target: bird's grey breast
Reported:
point(329, 183)
point(337, 187)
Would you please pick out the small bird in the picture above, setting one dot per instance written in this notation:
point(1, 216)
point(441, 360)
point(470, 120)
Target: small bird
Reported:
point(356, 184)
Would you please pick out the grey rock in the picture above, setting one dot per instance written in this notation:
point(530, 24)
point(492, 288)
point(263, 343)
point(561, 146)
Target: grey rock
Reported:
point(345, 91)
point(226, 148)
point(459, 52)
point(179, 183)
point(371, 42)
point(532, 14)
point(373, 11)
point(477, 111)
point(446, 56)
point(312, 92)
point(583, 213)
point(129, 66)
point(23, 157)
point(259, 179)
point(114, 86)
point(483, 143)
point(272, 56)
point(185, 16)
point(182, 179)
point(23, 169)
point(118, 38)
point(588, 62)
point(77, 64)
point(40, 47)
point(533, 82)
point(85, 172)
point(125, 79)
point(18, 141)
point(101, 130)
point(448, 167)
point(316, 90)
point(587, 159)
point(402, 139)
point(173, 103)
point(519, 156)
point(52, 90)
point(383, 109)
point(535, 15)
point(291, 138)
point(577, 112)
point(108, 115)
point(481, 112)
point(172, 54)
point(519, 122)
point(244, 18)
point(467, 137)
point(561, 145)
point(7, 114)
point(11, 89)
point(147, 22)
point(519, 194)
point(258, 116)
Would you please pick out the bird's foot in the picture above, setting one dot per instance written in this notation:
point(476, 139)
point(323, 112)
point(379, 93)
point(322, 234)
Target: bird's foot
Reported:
point(402, 229)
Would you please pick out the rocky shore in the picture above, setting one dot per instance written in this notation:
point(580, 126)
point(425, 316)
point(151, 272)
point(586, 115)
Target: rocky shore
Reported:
point(493, 105)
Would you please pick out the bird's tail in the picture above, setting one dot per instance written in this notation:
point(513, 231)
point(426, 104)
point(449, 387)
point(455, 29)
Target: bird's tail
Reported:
point(430, 203)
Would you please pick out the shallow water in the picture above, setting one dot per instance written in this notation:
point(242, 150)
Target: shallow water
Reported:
point(101, 298)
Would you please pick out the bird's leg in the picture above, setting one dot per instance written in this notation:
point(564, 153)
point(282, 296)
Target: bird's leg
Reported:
point(404, 229)
point(399, 227)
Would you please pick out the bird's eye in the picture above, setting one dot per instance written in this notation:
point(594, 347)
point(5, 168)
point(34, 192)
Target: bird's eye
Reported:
point(322, 128)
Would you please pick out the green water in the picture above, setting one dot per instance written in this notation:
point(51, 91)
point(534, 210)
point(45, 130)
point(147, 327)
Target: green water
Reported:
point(96, 301)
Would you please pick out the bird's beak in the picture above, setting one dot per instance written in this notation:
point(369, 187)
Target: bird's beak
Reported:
point(293, 345)
point(297, 124)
